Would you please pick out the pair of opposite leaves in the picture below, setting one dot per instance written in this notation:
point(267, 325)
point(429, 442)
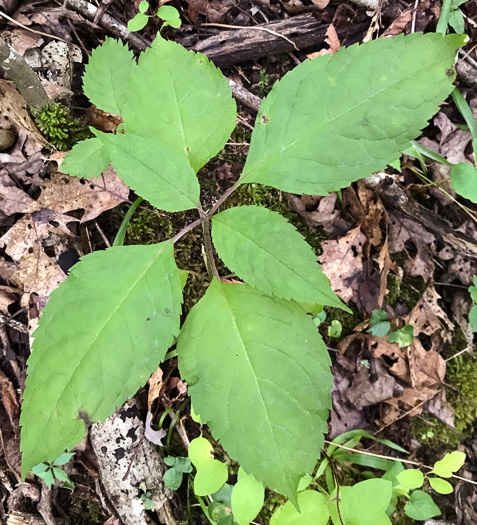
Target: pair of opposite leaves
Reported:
point(327, 123)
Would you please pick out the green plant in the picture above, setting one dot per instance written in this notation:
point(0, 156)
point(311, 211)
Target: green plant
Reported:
point(50, 472)
point(58, 126)
point(257, 369)
point(168, 14)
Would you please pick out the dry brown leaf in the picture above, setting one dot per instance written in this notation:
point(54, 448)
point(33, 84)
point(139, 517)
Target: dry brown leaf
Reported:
point(107, 122)
point(398, 26)
point(428, 318)
point(21, 40)
point(342, 262)
point(317, 211)
point(155, 386)
point(64, 194)
point(331, 39)
point(385, 265)
point(12, 198)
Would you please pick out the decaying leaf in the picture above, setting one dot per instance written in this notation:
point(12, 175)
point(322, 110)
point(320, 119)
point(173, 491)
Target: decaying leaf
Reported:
point(343, 264)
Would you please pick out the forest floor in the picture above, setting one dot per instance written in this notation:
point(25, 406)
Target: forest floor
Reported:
point(406, 246)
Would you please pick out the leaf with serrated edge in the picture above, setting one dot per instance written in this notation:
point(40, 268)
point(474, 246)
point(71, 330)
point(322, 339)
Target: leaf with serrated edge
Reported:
point(105, 79)
point(258, 374)
point(101, 335)
point(156, 172)
point(87, 159)
point(338, 118)
point(265, 250)
point(179, 98)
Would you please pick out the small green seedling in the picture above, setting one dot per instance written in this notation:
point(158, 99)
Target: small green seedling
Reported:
point(403, 336)
point(147, 502)
point(51, 473)
point(379, 325)
point(178, 467)
point(335, 329)
point(168, 14)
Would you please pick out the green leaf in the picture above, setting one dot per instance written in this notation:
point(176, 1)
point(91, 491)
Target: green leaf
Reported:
point(157, 172)
point(258, 374)
point(143, 6)
point(411, 478)
point(88, 159)
point(101, 335)
point(168, 13)
point(180, 99)
point(183, 465)
point(464, 180)
point(176, 22)
point(40, 469)
point(138, 22)
point(63, 459)
point(404, 336)
point(265, 250)
point(326, 124)
point(456, 21)
point(60, 475)
point(105, 79)
point(441, 485)
point(379, 325)
point(473, 318)
point(449, 464)
point(305, 482)
point(335, 329)
point(211, 476)
point(421, 506)
point(48, 477)
point(473, 289)
point(363, 504)
point(313, 511)
point(173, 478)
point(200, 451)
point(247, 498)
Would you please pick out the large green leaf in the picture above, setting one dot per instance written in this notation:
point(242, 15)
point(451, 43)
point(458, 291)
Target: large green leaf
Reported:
point(101, 335)
point(180, 99)
point(105, 79)
point(258, 373)
point(155, 171)
point(265, 250)
point(313, 511)
point(338, 118)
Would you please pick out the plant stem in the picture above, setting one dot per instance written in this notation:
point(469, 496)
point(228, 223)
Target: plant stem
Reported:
point(209, 251)
point(444, 18)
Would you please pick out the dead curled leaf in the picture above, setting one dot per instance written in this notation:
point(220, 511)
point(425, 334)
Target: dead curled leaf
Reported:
point(342, 262)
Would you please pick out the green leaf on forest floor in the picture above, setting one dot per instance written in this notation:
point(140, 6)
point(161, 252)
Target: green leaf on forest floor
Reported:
point(464, 180)
point(441, 485)
point(247, 498)
point(363, 504)
point(258, 374)
point(105, 79)
point(313, 511)
point(267, 252)
point(449, 464)
point(326, 124)
point(421, 506)
point(379, 325)
point(411, 478)
point(403, 336)
point(211, 477)
point(181, 100)
point(102, 334)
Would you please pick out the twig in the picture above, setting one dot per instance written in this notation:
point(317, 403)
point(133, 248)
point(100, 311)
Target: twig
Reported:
point(26, 28)
point(335, 477)
point(256, 28)
point(243, 95)
point(391, 458)
point(23, 76)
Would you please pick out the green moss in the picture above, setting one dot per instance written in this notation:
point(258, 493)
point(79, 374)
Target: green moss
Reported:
point(264, 87)
point(84, 507)
point(58, 126)
point(348, 321)
point(394, 289)
point(240, 135)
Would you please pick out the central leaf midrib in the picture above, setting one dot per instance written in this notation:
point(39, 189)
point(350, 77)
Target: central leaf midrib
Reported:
point(242, 343)
point(324, 124)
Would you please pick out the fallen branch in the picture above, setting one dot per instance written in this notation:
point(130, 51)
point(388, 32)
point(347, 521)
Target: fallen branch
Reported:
point(23, 76)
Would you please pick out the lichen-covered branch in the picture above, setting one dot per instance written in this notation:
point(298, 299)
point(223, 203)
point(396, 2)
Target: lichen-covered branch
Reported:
point(23, 76)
